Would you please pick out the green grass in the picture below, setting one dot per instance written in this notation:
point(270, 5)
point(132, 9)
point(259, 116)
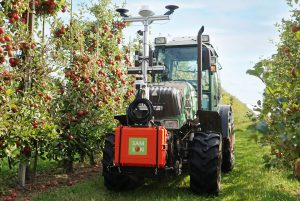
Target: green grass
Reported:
point(8, 177)
point(248, 181)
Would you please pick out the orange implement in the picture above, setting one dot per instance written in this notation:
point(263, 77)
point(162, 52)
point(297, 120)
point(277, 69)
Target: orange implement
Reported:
point(140, 146)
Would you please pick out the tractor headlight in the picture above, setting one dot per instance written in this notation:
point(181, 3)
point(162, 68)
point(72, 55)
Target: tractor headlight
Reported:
point(171, 124)
point(205, 38)
point(160, 40)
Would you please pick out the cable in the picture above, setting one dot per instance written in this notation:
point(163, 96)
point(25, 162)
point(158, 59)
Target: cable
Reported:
point(144, 119)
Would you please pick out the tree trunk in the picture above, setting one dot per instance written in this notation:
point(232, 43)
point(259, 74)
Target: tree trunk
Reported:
point(92, 158)
point(22, 173)
point(68, 164)
point(34, 168)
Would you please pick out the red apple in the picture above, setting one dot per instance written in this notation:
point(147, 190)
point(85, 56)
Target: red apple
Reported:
point(1, 50)
point(35, 124)
point(9, 198)
point(54, 183)
point(71, 118)
point(13, 62)
point(297, 168)
point(2, 40)
point(105, 100)
point(118, 58)
point(2, 31)
point(62, 30)
point(11, 20)
point(61, 90)
point(16, 17)
point(26, 151)
point(9, 47)
point(24, 46)
point(13, 194)
point(49, 97)
point(80, 113)
point(294, 28)
point(293, 72)
point(64, 9)
point(87, 80)
point(10, 53)
point(2, 60)
point(32, 46)
point(70, 183)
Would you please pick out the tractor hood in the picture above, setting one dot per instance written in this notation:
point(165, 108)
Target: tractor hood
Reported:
point(175, 99)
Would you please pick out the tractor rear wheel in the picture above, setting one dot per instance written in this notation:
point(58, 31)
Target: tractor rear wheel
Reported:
point(228, 158)
point(205, 161)
point(114, 180)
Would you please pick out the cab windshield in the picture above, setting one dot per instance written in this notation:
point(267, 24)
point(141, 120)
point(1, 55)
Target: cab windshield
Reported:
point(181, 64)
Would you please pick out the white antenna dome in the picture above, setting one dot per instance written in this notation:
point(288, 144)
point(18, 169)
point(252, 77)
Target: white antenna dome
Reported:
point(145, 11)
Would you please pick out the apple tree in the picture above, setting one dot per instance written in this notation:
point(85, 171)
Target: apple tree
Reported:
point(26, 87)
point(94, 85)
point(280, 108)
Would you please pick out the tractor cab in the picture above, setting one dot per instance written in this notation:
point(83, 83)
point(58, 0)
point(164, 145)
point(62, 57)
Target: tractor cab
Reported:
point(179, 56)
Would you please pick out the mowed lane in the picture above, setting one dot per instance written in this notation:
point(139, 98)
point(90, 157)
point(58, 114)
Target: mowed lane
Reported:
point(248, 181)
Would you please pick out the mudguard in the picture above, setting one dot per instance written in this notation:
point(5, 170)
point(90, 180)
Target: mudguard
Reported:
point(209, 121)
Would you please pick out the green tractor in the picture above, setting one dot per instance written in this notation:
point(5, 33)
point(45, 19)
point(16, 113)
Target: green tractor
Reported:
point(176, 124)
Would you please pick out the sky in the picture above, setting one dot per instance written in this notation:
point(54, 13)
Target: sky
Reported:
point(242, 32)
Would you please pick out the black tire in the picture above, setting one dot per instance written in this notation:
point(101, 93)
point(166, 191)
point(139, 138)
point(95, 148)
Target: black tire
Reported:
point(205, 161)
point(228, 157)
point(113, 180)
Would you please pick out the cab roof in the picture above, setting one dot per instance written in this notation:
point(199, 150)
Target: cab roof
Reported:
point(189, 40)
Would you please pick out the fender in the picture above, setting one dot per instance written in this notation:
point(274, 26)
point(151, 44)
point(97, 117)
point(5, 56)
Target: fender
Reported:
point(209, 121)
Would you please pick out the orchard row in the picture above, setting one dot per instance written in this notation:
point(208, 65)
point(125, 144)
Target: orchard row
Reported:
point(59, 91)
point(280, 108)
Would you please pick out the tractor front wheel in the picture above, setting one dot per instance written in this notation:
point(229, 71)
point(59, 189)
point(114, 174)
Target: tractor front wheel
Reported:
point(113, 180)
point(205, 161)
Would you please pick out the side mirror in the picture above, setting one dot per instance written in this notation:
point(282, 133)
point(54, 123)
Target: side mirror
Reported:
point(206, 62)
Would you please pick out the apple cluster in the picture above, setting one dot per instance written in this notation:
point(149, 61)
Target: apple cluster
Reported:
point(7, 49)
point(49, 7)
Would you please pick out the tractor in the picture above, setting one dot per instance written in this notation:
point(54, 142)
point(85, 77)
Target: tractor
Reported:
point(176, 124)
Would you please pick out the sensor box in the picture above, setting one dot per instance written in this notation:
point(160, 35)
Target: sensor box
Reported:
point(140, 146)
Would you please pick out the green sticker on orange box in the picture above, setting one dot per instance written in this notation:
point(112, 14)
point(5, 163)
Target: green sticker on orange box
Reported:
point(137, 146)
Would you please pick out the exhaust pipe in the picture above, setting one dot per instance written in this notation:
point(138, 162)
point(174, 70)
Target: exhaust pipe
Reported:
point(199, 62)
